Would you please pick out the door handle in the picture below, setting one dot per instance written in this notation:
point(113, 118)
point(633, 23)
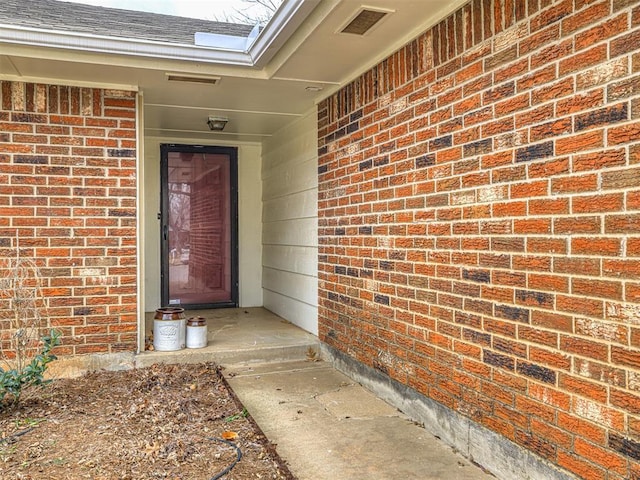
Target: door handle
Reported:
point(165, 231)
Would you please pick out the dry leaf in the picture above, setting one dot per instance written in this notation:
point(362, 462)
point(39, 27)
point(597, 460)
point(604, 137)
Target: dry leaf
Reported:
point(312, 355)
point(152, 449)
point(229, 435)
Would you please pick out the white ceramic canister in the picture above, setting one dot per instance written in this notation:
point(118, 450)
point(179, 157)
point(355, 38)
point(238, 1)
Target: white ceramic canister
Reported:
point(196, 332)
point(169, 329)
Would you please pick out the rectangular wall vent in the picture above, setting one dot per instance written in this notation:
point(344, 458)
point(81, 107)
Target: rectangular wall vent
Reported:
point(363, 21)
point(186, 77)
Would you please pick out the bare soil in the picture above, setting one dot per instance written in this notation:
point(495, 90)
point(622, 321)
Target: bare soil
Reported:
point(162, 422)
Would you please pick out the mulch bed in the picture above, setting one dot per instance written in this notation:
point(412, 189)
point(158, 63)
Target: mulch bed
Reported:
point(162, 422)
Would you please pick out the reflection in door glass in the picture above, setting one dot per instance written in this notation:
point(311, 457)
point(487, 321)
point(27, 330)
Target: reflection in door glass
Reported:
point(199, 224)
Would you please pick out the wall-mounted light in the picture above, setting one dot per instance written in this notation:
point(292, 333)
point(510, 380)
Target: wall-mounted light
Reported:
point(217, 124)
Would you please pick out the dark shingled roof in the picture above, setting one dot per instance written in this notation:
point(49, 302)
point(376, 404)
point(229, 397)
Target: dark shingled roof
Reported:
point(112, 22)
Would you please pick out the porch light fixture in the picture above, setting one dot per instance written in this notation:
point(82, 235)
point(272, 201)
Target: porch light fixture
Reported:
point(217, 124)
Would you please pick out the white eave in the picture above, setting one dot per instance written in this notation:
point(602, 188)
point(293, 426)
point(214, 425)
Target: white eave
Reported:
point(280, 28)
point(287, 19)
point(120, 46)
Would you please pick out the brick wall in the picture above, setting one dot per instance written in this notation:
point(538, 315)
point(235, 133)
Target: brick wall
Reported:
point(68, 198)
point(479, 224)
point(208, 232)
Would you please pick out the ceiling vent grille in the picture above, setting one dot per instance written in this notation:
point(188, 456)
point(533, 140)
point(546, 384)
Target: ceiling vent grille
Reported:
point(186, 77)
point(365, 19)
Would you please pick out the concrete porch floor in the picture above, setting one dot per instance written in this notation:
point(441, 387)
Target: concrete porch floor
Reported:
point(236, 335)
point(325, 425)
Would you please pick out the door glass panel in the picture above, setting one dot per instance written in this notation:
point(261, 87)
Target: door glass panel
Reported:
point(199, 228)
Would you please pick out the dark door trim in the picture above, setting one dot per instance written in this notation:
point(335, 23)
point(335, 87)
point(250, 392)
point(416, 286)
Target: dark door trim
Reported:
point(232, 152)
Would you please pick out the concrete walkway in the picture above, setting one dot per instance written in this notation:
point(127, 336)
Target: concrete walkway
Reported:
point(325, 425)
point(328, 427)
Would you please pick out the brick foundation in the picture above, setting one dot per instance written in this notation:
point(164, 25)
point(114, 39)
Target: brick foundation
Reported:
point(479, 224)
point(68, 199)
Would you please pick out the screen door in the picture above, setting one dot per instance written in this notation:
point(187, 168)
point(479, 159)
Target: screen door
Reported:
point(199, 226)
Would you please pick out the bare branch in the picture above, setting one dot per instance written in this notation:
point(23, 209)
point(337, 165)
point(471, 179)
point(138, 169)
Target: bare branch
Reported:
point(21, 307)
point(252, 12)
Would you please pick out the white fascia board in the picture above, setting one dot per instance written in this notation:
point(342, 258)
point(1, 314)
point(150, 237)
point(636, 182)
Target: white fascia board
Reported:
point(284, 23)
point(258, 49)
point(120, 46)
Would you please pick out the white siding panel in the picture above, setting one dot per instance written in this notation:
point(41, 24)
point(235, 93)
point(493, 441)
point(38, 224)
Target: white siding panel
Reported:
point(289, 223)
point(301, 314)
point(300, 232)
point(299, 145)
point(290, 178)
point(297, 205)
point(301, 287)
point(295, 259)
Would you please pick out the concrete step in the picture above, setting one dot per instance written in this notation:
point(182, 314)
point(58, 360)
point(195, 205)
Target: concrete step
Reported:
point(241, 336)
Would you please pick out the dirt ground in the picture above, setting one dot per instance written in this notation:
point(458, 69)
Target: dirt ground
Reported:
point(163, 422)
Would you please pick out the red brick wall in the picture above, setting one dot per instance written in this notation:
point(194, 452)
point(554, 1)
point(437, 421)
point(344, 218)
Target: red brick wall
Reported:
point(479, 224)
point(68, 196)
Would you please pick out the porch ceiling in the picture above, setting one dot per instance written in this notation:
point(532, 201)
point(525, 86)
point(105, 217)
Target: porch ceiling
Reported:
point(257, 100)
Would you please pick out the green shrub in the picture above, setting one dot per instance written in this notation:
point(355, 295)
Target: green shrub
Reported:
point(24, 352)
point(14, 382)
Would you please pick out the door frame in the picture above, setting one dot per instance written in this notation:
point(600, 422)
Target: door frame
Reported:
point(232, 153)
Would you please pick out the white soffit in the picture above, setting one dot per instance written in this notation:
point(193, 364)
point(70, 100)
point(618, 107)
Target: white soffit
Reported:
point(7, 67)
point(327, 55)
